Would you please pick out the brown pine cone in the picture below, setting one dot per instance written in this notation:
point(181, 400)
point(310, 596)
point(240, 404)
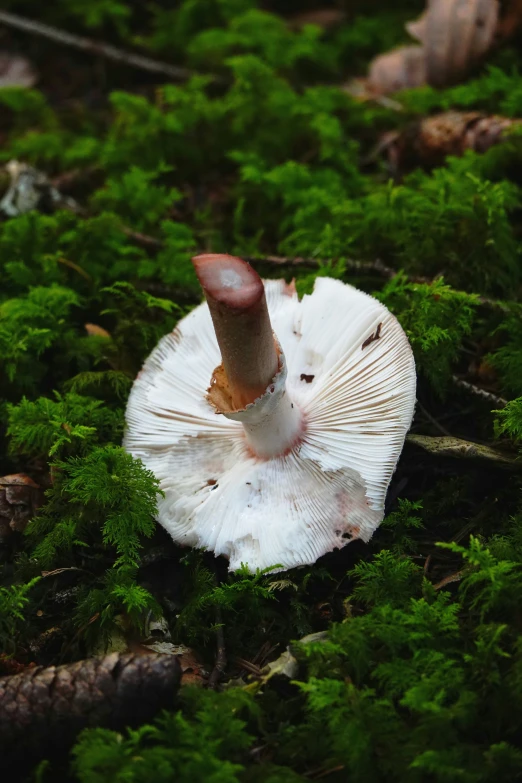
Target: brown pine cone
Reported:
point(45, 708)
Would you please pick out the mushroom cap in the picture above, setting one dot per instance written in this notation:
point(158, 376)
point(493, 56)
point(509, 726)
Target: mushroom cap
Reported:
point(350, 371)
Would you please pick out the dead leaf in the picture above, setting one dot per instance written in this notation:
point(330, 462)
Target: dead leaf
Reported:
point(31, 189)
point(400, 69)
point(456, 577)
point(428, 142)
point(192, 671)
point(456, 34)
point(417, 28)
point(9, 666)
point(16, 71)
point(93, 330)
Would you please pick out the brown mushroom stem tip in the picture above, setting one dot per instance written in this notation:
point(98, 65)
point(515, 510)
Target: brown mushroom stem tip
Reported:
point(236, 298)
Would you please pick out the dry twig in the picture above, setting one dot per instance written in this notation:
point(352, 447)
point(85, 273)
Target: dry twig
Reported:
point(500, 402)
point(432, 419)
point(105, 50)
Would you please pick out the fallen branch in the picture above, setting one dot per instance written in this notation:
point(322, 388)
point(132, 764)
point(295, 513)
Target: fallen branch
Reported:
point(45, 708)
point(500, 402)
point(94, 47)
point(432, 419)
point(457, 447)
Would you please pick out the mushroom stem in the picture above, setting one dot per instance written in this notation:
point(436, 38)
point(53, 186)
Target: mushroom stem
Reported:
point(236, 299)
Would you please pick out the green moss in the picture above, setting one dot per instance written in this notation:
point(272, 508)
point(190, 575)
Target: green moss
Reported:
point(262, 152)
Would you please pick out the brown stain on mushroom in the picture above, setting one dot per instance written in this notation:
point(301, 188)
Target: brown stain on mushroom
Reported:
point(290, 289)
point(375, 336)
point(347, 503)
point(306, 378)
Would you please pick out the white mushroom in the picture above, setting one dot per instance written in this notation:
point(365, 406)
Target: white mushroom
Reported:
point(302, 466)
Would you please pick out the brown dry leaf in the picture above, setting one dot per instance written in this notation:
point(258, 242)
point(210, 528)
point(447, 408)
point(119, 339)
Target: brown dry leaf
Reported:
point(487, 131)
point(456, 34)
point(16, 71)
point(456, 577)
point(93, 330)
point(486, 373)
point(417, 28)
point(429, 141)
point(192, 671)
point(399, 69)
point(12, 666)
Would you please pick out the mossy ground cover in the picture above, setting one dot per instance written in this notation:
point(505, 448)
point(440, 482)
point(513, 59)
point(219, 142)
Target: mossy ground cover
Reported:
point(261, 153)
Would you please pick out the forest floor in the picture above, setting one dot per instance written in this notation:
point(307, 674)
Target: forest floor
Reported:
point(253, 133)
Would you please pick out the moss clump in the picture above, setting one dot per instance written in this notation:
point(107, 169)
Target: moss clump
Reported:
point(262, 153)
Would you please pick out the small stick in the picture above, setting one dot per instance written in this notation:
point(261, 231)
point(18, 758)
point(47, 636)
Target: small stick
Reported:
point(93, 47)
point(237, 303)
point(479, 392)
point(432, 419)
point(143, 239)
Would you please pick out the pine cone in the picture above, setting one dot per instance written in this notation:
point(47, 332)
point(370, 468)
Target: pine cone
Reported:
point(45, 708)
